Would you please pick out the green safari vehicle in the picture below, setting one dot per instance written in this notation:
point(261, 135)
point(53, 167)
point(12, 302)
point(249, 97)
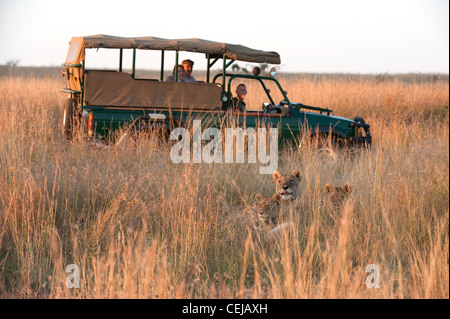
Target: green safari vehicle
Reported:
point(106, 100)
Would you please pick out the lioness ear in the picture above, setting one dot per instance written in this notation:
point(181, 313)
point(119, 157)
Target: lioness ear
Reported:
point(297, 174)
point(277, 198)
point(259, 196)
point(329, 188)
point(276, 175)
point(347, 188)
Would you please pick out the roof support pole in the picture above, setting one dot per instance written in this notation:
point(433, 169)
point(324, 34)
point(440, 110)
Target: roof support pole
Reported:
point(120, 60)
point(176, 66)
point(215, 60)
point(210, 64)
point(208, 67)
point(223, 72)
point(83, 70)
point(229, 63)
point(162, 65)
point(133, 73)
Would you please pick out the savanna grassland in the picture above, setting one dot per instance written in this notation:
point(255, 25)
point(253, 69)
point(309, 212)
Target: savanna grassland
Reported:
point(139, 226)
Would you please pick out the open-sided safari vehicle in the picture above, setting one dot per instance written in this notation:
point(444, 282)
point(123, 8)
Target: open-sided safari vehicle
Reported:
point(109, 99)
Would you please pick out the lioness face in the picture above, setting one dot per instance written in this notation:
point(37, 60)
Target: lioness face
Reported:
point(287, 185)
point(337, 194)
point(268, 209)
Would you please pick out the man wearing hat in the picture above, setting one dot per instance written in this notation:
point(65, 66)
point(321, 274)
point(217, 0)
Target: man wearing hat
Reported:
point(188, 65)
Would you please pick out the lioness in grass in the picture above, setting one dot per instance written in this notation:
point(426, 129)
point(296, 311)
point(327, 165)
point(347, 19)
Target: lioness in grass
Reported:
point(268, 209)
point(337, 195)
point(287, 185)
point(271, 210)
point(271, 213)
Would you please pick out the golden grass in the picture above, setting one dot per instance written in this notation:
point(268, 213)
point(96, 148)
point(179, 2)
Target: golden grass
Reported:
point(139, 226)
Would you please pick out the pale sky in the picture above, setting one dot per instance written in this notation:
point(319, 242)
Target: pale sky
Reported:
point(351, 36)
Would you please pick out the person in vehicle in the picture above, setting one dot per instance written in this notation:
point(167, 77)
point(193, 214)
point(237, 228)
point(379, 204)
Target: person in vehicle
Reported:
point(181, 74)
point(188, 65)
point(237, 103)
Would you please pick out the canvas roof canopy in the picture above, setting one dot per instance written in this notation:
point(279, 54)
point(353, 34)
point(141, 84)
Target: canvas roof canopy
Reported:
point(215, 49)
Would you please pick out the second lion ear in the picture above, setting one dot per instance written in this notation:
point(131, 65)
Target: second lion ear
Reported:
point(277, 198)
point(347, 188)
point(276, 175)
point(259, 196)
point(329, 188)
point(297, 174)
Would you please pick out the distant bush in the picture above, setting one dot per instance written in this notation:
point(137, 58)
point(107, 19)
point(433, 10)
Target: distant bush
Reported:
point(12, 63)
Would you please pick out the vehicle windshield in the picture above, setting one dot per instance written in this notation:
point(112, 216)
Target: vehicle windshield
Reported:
point(260, 91)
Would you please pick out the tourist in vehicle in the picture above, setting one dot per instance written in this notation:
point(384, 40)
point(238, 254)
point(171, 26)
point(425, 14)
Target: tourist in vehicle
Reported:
point(180, 74)
point(188, 65)
point(237, 103)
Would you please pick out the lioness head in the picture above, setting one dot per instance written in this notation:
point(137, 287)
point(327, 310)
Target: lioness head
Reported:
point(268, 209)
point(287, 185)
point(337, 194)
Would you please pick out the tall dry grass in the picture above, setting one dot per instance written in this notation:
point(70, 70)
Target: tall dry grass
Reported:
point(139, 226)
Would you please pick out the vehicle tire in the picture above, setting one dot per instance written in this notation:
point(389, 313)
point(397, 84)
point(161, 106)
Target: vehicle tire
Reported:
point(69, 118)
point(324, 140)
point(327, 153)
point(328, 147)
